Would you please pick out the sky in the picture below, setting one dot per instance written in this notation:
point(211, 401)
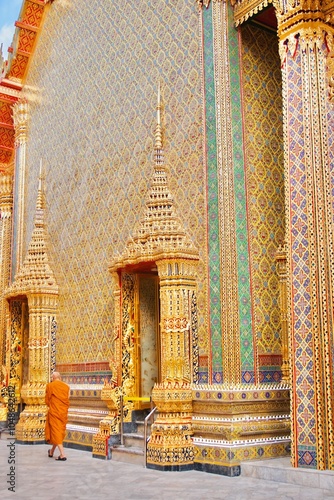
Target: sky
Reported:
point(9, 13)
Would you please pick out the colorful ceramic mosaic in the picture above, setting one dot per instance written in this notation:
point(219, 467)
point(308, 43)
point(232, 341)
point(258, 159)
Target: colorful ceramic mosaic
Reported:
point(263, 193)
point(111, 149)
point(310, 249)
point(261, 76)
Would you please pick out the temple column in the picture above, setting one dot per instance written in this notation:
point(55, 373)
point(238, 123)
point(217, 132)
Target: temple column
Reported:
point(6, 205)
point(282, 275)
point(20, 116)
point(305, 47)
point(35, 287)
point(170, 446)
point(42, 310)
point(111, 392)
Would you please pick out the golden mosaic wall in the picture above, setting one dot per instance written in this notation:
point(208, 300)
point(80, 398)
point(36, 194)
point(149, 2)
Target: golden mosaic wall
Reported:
point(93, 89)
point(262, 97)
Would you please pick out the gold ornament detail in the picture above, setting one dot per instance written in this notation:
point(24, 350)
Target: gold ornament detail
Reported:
point(295, 15)
point(330, 65)
point(161, 241)
point(21, 116)
point(160, 234)
point(281, 259)
point(35, 282)
point(245, 9)
point(170, 444)
point(6, 205)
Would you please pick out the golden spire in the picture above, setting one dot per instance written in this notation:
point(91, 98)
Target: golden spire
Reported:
point(158, 133)
point(159, 233)
point(35, 274)
point(40, 202)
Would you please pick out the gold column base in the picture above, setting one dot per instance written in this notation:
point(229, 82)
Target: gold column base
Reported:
point(232, 425)
point(110, 424)
point(31, 426)
point(170, 446)
point(108, 427)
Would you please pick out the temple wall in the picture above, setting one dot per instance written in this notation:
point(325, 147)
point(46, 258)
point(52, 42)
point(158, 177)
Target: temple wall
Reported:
point(263, 144)
point(92, 88)
point(244, 156)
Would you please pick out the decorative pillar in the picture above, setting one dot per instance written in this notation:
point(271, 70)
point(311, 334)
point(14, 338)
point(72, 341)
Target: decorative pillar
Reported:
point(231, 319)
point(6, 205)
point(161, 242)
point(171, 446)
point(305, 47)
point(36, 282)
point(20, 116)
point(42, 310)
point(282, 276)
point(112, 390)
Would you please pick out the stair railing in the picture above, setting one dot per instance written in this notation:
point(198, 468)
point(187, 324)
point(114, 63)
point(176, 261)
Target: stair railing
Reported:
point(149, 417)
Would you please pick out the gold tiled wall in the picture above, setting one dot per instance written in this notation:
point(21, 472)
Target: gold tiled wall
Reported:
point(92, 89)
point(263, 124)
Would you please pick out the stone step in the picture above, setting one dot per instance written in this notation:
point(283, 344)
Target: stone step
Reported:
point(280, 470)
point(130, 455)
point(141, 425)
point(133, 439)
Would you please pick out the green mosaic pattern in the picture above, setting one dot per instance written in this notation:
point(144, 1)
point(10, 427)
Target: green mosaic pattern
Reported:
point(213, 201)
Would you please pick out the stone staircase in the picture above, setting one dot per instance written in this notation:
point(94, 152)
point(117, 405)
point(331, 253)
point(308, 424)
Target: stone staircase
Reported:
point(132, 451)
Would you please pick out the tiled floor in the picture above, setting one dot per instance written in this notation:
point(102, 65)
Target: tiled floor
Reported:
point(82, 477)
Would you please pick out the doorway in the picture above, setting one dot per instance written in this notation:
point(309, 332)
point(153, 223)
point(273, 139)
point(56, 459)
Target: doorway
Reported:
point(148, 344)
point(141, 365)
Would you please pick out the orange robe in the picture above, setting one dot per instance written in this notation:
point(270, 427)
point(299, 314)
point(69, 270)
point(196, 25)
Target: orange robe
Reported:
point(57, 399)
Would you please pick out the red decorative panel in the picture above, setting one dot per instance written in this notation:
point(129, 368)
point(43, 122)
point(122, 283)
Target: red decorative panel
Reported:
point(6, 114)
point(6, 137)
point(19, 66)
point(33, 14)
point(5, 156)
point(26, 40)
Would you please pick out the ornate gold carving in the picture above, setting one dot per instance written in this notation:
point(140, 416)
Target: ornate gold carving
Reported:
point(35, 275)
point(170, 444)
point(21, 116)
point(6, 205)
point(245, 9)
point(110, 424)
point(160, 239)
point(3, 412)
point(295, 15)
point(160, 234)
point(34, 280)
point(32, 423)
point(115, 362)
point(330, 65)
point(281, 259)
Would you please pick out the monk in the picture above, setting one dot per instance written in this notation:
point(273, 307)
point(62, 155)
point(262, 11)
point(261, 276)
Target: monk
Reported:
point(58, 401)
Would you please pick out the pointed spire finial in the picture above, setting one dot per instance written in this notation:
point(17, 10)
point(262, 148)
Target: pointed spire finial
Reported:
point(40, 205)
point(40, 175)
point(158, 131)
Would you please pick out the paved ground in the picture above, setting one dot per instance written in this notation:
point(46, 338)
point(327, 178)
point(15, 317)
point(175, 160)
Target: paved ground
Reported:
point(37, 477)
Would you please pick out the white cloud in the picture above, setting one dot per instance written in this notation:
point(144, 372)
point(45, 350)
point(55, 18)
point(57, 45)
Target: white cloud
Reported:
point(6, 38)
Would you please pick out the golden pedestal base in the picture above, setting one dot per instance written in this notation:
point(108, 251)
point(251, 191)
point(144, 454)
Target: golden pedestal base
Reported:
point(31, 426)
point(233, 425)
point(170, 446)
